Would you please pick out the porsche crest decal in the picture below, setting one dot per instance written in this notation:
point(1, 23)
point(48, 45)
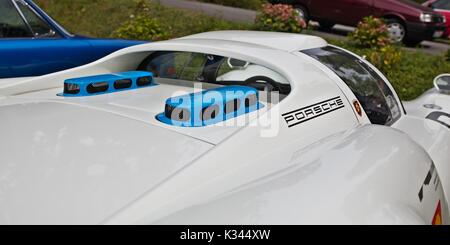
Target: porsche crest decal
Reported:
point(305, 114)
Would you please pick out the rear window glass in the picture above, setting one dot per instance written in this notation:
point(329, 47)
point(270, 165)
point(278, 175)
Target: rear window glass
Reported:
point(213, 69)
point(372, 92)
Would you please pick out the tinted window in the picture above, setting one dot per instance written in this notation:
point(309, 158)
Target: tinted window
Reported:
point(11, 24)
point(184, 66)
point(372, 92)
point(175, 65)
point(207, 68)
point(441, 4)
point(37, 24)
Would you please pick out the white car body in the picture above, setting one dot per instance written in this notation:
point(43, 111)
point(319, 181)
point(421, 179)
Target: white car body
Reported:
point(106, 159)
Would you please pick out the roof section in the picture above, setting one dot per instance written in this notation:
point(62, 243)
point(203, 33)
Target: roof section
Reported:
point(276, 40)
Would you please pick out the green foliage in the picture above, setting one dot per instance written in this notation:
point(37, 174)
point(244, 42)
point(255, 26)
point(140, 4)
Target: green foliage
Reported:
point(372, 38)
point(101, 18)
point(95, 18)
point(447, 55)
point(141, 27)
point(178, 23)
point(371, 33)
point(384, 58)
point(414, 75)
point(247, 4)
point(280, 18)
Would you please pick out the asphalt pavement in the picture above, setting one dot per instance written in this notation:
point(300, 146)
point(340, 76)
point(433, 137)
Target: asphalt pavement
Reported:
point(248, 16)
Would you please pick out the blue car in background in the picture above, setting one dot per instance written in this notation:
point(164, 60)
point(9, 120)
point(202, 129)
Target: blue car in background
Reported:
point(33, 44)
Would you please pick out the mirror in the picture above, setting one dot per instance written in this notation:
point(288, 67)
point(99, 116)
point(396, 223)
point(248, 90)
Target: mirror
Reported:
point(442, 83)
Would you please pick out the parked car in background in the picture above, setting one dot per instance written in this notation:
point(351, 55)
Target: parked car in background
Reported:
point(33, 44)
point(407, 21)
point(443, 7)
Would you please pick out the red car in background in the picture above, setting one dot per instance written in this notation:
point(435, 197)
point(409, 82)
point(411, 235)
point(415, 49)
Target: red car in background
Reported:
point(407, 21)
point(443, 7)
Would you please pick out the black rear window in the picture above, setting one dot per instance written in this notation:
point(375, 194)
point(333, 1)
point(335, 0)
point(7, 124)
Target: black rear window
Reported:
point(369, 88)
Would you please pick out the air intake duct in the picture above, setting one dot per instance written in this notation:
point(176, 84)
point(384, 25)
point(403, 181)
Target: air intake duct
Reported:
point(107, 83)
point(210, 106)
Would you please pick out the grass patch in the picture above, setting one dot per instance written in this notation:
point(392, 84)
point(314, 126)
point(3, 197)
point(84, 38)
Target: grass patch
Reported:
point(100, 18)
point(182, 23)
point(245, 4)
point(94, 18)
point(415, 73)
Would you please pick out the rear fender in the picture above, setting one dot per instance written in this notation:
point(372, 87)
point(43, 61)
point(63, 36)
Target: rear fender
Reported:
point(370, 175)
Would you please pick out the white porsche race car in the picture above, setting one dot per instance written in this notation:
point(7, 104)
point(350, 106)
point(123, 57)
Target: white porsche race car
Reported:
point(229, 127)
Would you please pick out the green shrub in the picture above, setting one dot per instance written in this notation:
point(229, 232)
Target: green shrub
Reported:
point(141, 27)
point(384, 58)
point(447, 55)
point(371, 33)
point(371, 38)
point(415, 73)
point(247, 4)
point(279, 17)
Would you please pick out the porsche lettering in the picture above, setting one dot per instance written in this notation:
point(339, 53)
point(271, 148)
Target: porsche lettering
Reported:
point(304, 114)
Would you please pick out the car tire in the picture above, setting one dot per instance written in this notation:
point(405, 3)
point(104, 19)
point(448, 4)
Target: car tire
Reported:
point(303, 12)
point(326, 25)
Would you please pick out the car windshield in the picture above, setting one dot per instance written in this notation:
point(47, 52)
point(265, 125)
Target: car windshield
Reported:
point(442, 4)
point(213, 69)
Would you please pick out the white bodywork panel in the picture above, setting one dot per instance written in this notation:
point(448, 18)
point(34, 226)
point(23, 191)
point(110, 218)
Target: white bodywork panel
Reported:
point(9, 81)
point(303, 190)
point(106, 160)
point(281, 41)
point(85, 167)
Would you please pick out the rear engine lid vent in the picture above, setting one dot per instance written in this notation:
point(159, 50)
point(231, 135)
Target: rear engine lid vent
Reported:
point(210, 106)
point(107, 83)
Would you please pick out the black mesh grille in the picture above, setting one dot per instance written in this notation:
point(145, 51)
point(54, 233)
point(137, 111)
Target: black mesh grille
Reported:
point(144, 81)
point(123, 84)
point(70, 88)
point(438, 19)
point(177, 114)
point(168, 111)
point(97, 87)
